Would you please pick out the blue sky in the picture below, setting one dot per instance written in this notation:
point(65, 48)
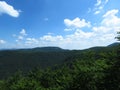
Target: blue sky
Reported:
point(69, 24)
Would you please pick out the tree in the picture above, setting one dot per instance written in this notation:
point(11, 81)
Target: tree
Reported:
point(118, 51)
point(118, 37)
point(113, 77)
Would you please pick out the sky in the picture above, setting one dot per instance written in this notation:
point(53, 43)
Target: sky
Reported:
point(69, 24)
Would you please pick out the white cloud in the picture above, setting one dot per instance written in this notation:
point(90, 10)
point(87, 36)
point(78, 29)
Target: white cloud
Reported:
point(79, 34)
point(107, 30)
point(71, 41)
point(101, 29)
point(8, 9)
point(51, 38)
point(106, 1)
point(110, 22)
point(110, 19)
point(76, 23)
point(23, 32)
point(97, 12)
point(98, 35)
point(98, 2)
point(46, 40)
point(99, 6)
point(101, 35)
point(111, 13)
point(2, 41)
point(21, 36)
point(30, 41)
point(107, 37)
point(101, 2)
point(68, 29)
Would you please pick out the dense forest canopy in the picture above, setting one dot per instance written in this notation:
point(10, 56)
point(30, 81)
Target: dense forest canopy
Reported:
point(91, 69)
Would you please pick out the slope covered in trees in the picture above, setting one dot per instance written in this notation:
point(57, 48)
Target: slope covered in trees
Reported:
point(26, 59)
point(97, 68)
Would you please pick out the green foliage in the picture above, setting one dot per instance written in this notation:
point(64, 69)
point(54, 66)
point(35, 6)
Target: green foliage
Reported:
point(112, 79)
point(13, 60)
point(92, 69)
point(118, 37)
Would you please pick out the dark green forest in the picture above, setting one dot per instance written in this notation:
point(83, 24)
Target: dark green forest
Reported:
point(53, 68)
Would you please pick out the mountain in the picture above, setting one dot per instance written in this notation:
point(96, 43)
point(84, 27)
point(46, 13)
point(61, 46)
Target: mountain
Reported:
point(38, 49)
point(59, 69)
point(26, 59)
point(114, 44)
point(43, 57)
point(48, 49)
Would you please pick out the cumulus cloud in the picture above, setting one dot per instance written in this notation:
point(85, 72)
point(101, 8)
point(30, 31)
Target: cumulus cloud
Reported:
point(79, 34)
point(102, 34)
point(21, 36)
point(107, 37)
point(101, 29)
point(76, 23)
point(97, 35)
point(111, 13)
point(45, 40)
point(30, 41)
point(71, 41)
point(51, 38)
point(8, 9)
point(111, 19)
point(2, 41)
point(108, 28)
point(110, 22)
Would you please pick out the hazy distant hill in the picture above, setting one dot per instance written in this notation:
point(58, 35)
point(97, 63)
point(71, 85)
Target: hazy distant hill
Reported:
point(114, 44)
point(42, 49)
point(48, 49)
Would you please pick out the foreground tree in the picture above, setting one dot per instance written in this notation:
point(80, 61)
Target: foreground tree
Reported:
point(118, 37)
point(112, 81)
point(118, 51)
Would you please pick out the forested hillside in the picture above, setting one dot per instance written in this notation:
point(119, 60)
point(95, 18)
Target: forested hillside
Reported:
point(97, 68)
point(26, 59)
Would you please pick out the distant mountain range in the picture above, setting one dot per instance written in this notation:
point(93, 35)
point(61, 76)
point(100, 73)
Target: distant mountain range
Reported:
point(43, 57)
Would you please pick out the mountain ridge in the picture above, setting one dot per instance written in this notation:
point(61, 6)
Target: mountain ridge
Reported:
point(55, 48)
point(25, 59)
